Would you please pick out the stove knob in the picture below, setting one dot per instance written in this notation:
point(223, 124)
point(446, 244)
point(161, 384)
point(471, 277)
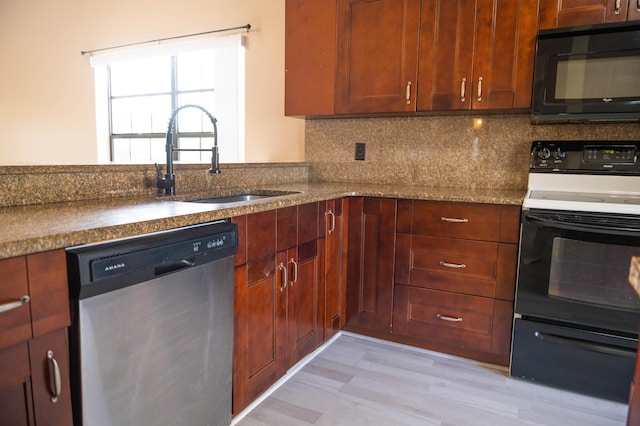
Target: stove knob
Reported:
point(559, 154)
point(544, 153)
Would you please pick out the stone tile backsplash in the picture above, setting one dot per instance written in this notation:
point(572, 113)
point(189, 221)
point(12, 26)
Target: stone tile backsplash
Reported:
point(490, 151)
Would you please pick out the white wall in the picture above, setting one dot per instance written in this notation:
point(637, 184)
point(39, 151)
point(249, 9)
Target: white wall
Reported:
point(47, 106)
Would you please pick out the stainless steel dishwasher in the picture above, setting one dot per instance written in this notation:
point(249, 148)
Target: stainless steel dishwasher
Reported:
point(152, 328)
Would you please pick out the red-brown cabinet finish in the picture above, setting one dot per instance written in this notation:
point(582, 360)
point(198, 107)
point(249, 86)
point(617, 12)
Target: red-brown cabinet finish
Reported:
point(310, 57)
point(336, 236)
point(455, 277)
point(260, 315)
point(372, 223)
point(571, 13)
point(476, 54)
point(279, 297)
point(34, 368)
point(377, 55)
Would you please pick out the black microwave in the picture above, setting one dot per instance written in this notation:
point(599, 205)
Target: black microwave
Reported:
point(587, 74)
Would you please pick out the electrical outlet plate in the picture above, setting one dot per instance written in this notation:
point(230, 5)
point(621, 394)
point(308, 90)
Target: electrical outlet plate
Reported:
point(360, 151)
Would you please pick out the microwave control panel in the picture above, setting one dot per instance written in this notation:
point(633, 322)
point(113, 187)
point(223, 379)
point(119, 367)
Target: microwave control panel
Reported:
point(614, 157)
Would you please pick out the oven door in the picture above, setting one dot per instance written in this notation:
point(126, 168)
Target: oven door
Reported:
point(574, 268)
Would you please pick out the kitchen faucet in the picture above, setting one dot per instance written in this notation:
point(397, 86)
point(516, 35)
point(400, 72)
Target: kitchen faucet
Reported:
point(168, 183)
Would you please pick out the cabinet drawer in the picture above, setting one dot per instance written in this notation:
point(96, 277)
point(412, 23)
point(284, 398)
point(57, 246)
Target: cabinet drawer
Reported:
point(457, 220)
point(478, 268)
point(439, 317)
point(15, 316)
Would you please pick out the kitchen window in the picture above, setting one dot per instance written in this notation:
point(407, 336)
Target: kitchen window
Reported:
point(136, 92)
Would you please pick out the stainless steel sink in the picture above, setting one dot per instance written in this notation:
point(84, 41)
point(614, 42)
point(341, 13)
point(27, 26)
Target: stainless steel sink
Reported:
point(248, 196)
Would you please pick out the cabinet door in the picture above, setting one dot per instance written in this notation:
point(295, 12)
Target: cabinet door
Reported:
point(504, 54)
point(310, 57)
point(50, 379)
point(335, 266)
point(259, 328)
point(377, 55)
point(446, 52)
point(476, 54)
point(571, 13)
point(305, 306)
point(370, 263)
point(633, 12)
point(16, 403)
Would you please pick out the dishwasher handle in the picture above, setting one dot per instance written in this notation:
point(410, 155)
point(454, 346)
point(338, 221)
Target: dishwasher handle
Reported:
point(173, 266)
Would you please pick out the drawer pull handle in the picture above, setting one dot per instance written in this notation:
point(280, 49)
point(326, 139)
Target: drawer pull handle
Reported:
point(284, 276)
point(453, 265)
point(332, 227)
point(480, 89)
point(453, 220)
point(13, 305)
point(463, 89)
point(54, 377)
point(408, 94)
point(446, 318)
point(295, 271)
point(617, 6)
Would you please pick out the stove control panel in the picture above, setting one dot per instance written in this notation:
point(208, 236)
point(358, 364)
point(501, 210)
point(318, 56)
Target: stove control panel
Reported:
point(611, 157)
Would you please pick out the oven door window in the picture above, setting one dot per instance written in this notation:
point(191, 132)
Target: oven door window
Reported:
point(589, 272)
point(574, 269)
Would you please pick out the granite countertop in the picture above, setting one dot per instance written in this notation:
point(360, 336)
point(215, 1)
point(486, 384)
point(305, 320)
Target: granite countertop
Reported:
point(35, 228)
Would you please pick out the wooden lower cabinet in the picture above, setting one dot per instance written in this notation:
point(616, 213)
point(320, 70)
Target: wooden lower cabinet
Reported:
point(372, 223)
point(455, 273)
point(335, 278)
point(260, 320)
point(34, 387)
point(453, 321)
point(279, 297)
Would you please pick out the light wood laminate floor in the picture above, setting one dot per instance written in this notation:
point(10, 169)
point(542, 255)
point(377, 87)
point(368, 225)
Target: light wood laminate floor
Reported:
point(362, 381)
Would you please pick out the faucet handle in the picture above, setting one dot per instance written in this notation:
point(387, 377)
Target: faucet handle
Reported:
point(161, 183)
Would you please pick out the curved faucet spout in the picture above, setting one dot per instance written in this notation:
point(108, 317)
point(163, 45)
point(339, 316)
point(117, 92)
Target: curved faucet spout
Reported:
point(168, 182)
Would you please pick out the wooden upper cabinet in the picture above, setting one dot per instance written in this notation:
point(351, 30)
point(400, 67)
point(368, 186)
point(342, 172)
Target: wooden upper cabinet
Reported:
point(377, 55)
point(310, 57)
point(476, 54)
point(570, 13)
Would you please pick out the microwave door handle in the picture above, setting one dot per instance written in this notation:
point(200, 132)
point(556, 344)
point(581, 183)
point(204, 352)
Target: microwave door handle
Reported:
point(582, 227)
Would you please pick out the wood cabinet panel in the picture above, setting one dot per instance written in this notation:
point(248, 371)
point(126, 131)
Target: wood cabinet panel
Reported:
point(261, 234)
point(476, 54)
point(445, 68)
point(370, 264)
point(15, 324)
point(449, 318)
point(259, 328)
point(471, 267)
point(49, 291)
point(287, 228)
point(241, 254)
point(16, 404)
point(571, 13)
point(305, 314)
point(50, 411)
point(457, 220)
point(377, 55)
point(336, 243)
point(310, 57)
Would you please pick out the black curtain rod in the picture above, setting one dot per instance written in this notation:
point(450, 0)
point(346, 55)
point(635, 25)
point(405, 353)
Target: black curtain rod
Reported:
point(85, 52)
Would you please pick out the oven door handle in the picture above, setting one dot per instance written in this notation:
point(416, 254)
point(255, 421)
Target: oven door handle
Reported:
point(582, 227)
point(586, 345)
